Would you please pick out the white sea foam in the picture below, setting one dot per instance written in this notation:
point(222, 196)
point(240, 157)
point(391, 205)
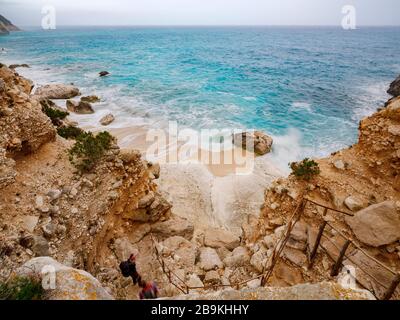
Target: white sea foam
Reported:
point(301, 105)
point(287, 148)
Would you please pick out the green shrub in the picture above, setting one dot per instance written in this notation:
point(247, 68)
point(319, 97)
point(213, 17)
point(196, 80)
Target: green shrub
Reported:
point(54, 114)
point(305, 169)
point(69, 132)
point(22, 288)
point(89, 149)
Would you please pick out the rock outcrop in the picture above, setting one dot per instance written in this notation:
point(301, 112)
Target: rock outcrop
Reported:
point(23, 126)
point(257, 142)
point(319, 291)
point(107, 119)
point(6, 26)
point(377, 225)
point(79, 107)
point(57, 91)
point(64, 283)
point(394, 89)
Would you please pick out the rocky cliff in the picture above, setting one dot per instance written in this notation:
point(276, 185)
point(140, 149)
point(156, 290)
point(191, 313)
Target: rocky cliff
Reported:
point(6, 26)
point(50, 208)
point(362, 180)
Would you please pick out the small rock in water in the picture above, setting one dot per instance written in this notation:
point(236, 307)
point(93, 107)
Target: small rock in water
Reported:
point(106, 120)
point(103, 73)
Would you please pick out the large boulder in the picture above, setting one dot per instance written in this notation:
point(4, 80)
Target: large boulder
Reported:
point(181, 250)
point(176, 226)
point(70, 283)
point(81, 107)
point(217, 238)
point(257, 142)
point(377, 225)
point(237, 258)
point(394, 88)
point(209, 259)
point(57, 91)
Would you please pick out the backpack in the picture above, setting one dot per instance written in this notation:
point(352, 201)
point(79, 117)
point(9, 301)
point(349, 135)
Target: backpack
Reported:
point(127, 268)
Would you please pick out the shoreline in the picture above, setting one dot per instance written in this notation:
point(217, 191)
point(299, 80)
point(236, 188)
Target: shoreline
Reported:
point(209, 195)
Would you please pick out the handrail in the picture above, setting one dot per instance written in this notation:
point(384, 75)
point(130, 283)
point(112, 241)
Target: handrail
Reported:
point(274, 258)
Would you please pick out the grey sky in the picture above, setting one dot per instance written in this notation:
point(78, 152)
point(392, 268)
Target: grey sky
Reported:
point(201, 12)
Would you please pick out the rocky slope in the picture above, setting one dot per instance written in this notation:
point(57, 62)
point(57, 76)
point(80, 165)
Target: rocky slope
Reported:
point(6, 26)
point(49, 208)
point(91, 221)
point(364, 180)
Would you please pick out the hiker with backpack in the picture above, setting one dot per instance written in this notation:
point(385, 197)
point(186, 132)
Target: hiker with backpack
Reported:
point(128, 269)
point(149, 290)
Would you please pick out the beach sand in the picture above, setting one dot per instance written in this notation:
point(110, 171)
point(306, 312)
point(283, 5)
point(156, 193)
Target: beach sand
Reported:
point(207, 194)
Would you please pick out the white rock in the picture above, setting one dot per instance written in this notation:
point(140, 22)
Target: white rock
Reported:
point(70, 284)
point(209, 259)
point(354, 203)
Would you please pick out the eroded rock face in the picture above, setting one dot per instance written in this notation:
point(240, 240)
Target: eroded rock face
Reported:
point(394, 88)
point(377, 225)
point(257, 142)
point(7, 169)
point(24, 128)
point(71, 284)
point(57, 91)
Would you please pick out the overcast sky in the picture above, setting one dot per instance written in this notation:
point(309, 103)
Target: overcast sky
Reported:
point(201, 12)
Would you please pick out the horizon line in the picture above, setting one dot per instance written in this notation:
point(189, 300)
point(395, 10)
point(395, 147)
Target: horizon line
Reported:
point(211, 25)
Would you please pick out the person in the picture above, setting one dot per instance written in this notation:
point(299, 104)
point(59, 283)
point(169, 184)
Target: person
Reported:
point(128, 269)
point(149, 290)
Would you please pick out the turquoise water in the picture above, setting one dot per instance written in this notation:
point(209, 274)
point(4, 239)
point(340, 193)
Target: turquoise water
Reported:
point(308, 87)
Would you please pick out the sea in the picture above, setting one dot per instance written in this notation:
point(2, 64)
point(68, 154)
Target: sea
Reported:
point(308, 87)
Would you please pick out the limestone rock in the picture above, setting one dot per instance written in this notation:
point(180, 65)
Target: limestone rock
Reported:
point(57, 91)
point(318, 291)
point(90, 99)
point(181, 249)
point(70, 284)
point(194, 281)
point(124, 248)
point(216, 238)
point(376, 225)
point(81, 107)
point(106, 120)
point(40, 246)
point(212, 277)
point(175, 226)
point(258, 260)
point(30, 223)
point(354, 203)
point(239, 257)
point(257, 142)
point(394, 88)
point(295, 256)
point(129, 155)
point(209, 259)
